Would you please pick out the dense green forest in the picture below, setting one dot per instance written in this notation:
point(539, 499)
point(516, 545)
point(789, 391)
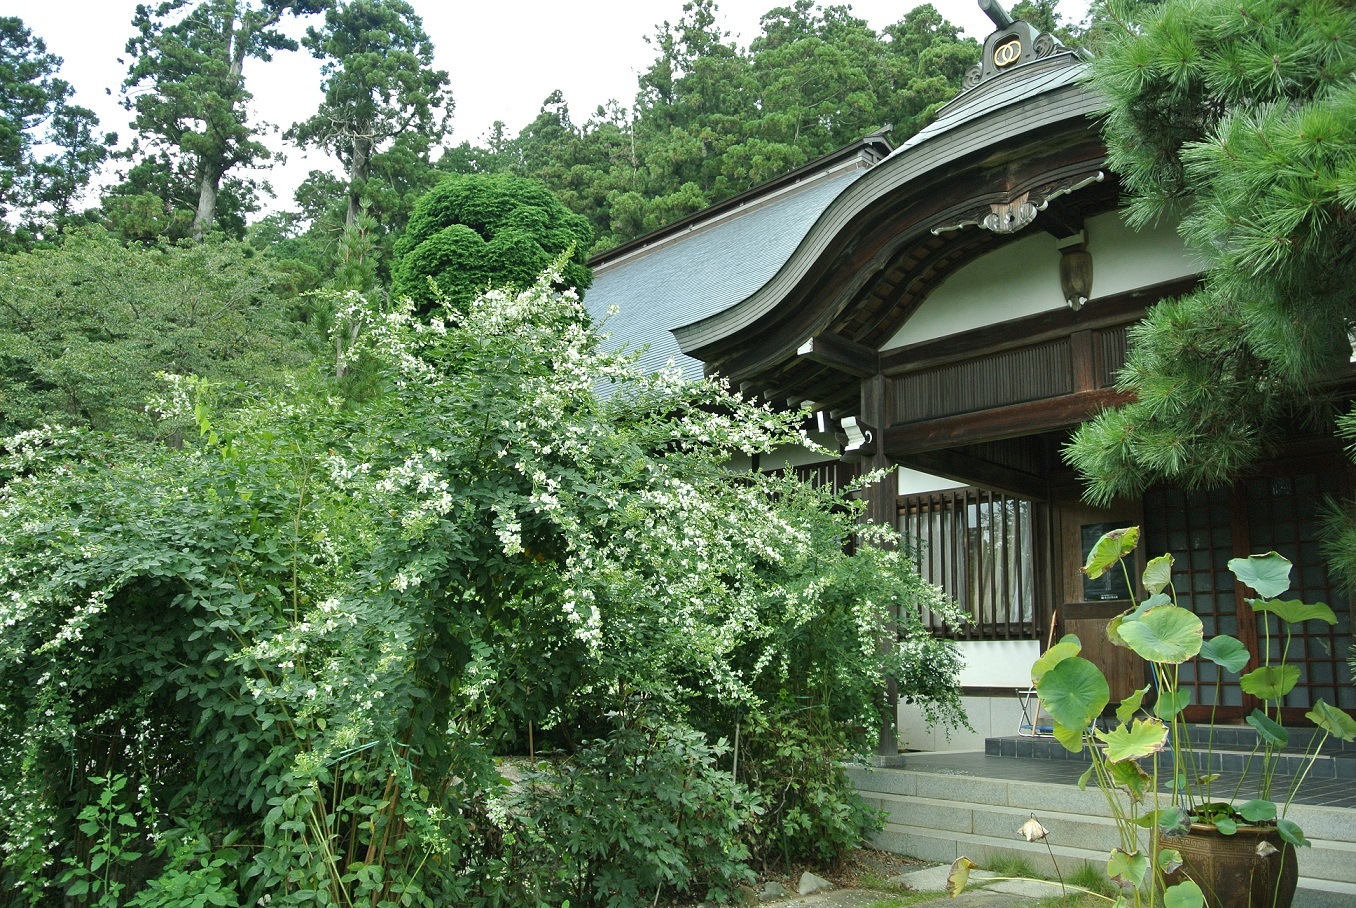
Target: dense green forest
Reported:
point(709, 119)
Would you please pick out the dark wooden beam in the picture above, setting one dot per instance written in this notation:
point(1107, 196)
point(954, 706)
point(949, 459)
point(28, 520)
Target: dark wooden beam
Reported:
point(876, 406)
point(849, 357)
point(881, 508)
point(999, 423)
point(975, 471)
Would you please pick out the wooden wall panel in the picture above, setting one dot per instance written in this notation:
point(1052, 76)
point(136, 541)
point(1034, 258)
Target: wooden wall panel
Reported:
point(1111, 350)
point(1008, 377)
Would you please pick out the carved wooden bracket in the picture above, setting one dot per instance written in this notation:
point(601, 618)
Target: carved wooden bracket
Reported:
point(1016, 212)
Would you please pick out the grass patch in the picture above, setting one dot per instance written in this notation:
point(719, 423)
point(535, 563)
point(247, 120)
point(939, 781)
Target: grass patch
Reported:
point(1084, 876)
point(1012, 865)
point(878, 883)
point(1074, 900)
point(900, 895)
point(1089, 877)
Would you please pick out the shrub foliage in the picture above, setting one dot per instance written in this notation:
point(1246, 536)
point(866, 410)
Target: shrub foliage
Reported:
point(278, 662)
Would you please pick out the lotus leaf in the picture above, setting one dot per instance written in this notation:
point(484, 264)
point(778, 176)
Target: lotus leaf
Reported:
point(1270, 682)
point(1131, 704)
point(1127, 868)
point(958, 876)
point(1226, 652)
point(1071, 738)
point(1068, 645)
point(1158, 574)
point(1292, 611)
point(1074, 692)
point(1170, 703)
point(1333, 721)
point(1139, 739)
point(1173, 821)
point(1110, 549)
point(1268, 575)
point(1113, 629)
point(1291, 832)
point(1270, 730)
point(1184, 895)
point(1168, 634)
point(1131, 778)
point(1258, 811)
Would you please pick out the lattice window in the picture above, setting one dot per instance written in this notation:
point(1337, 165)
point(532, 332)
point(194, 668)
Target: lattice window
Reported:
point(1203, 530)
point(978, 546)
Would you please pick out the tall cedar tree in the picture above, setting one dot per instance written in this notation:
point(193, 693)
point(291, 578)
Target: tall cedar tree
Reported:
point(186, 85)
point(1239, 118)
point(36, 115)
point(380, 86)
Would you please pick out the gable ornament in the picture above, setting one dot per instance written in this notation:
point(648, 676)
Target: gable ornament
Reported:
point(1016, 212)
point(1014, 41)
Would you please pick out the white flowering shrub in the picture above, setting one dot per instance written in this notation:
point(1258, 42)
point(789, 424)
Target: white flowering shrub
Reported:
point(302, 638)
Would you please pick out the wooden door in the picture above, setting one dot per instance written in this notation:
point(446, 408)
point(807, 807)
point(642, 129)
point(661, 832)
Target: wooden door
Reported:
point(1089, 606)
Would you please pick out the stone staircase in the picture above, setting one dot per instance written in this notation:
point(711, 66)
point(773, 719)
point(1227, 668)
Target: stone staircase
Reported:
point(940, 806)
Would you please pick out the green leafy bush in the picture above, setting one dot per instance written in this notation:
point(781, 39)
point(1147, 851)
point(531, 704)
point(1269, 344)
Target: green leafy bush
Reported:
point(811, 814)
point(310, 628)
point(86, 327)
point(471, 233)
point(645, 810)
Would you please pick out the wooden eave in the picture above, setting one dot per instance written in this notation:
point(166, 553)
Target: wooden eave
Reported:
point(890, 261)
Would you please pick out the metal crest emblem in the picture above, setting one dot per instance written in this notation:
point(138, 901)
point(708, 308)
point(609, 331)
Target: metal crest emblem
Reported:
point(1007, 53)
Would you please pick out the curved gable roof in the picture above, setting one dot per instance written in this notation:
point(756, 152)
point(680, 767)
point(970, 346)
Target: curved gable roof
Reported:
point(707, 267)
point(1011, 109)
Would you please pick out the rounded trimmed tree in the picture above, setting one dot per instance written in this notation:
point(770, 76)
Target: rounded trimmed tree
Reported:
point(477, 231)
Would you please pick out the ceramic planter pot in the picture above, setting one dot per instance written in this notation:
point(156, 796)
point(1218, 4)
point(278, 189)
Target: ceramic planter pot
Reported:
point(1254, 868)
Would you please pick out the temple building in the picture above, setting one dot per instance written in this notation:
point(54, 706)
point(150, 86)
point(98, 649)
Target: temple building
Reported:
point(951, 309)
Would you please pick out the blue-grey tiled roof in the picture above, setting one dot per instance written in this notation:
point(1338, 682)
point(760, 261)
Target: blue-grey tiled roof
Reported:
point(697, 279)
point(1016, 86)
point(704, 270)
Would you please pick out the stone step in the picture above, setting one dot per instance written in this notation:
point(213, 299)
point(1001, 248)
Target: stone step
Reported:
point(1243, 738)
point(993, 822)
point(1328, 858)
point(1328, 765)
point(943, 848)
point(1057, 860)
point(938, 816)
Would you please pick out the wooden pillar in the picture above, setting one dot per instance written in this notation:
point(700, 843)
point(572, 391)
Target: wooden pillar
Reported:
point(882, 507)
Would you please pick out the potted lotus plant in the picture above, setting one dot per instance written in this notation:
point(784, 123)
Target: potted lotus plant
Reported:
point(1173, 820)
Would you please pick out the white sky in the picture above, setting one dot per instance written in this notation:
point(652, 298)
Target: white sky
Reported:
point(504, 58)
